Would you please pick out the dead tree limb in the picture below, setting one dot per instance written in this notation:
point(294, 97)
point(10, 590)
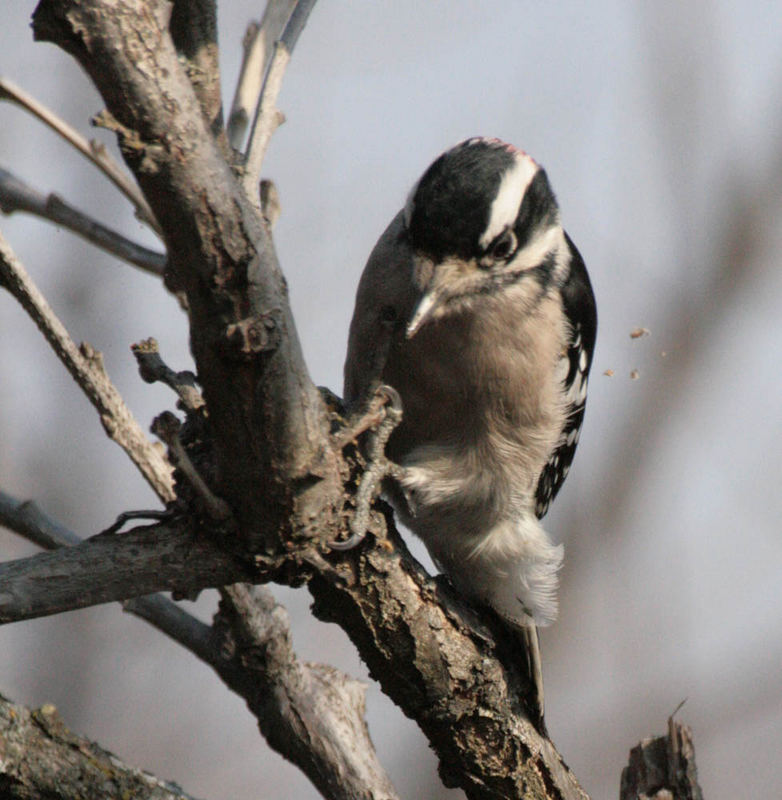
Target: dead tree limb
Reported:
point(663, 768)
point(92, 150)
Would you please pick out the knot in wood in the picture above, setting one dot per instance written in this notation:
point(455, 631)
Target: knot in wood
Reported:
point(254, 335)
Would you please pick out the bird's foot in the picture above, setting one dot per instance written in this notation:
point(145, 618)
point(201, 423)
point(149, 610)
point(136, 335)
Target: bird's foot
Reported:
point(379, 420)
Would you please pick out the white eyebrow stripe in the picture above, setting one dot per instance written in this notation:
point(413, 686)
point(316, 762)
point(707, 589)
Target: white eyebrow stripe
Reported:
point(544, 241)
point(505, 206)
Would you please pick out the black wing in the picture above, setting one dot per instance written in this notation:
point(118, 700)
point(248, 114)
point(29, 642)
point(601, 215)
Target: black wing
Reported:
point(579, 305)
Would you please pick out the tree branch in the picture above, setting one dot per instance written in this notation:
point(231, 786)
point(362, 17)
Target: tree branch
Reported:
point(311, 714)
point(25, 518)
point(92, 150)
point(86, 367)
point(163, 557)
point(319, 725)
point(15, 195)
point(41, 757)
point(152, 368)
point(267, 116)
point(459, 679)
point(257, 46)
point(266, 419)
point(194, 31)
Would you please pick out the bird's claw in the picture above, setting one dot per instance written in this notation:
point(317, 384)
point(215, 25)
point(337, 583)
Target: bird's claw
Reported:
point(388, 403)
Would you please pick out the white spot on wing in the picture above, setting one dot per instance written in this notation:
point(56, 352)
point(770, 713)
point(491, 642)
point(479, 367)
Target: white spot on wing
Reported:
point(563, 368)
point(505, 207)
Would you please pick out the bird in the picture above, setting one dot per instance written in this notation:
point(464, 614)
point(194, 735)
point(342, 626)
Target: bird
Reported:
point(477, 309)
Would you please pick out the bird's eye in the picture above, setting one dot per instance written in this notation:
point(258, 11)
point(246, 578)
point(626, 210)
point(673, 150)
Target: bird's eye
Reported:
point(504, 246)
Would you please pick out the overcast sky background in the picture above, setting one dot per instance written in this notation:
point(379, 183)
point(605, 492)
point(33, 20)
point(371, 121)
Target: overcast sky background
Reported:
point(661, 129)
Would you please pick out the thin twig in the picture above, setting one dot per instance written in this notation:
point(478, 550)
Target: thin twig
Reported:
point(267, 116)
point(167, 427)
point(258, 47)
point(26, 518)
point(86, 367)
point(254, 52)
point(152, 368)
point(16, 195)
point(91, 149)
point(267, 119)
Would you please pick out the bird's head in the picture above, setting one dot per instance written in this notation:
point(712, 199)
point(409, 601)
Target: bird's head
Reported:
point(482, 220)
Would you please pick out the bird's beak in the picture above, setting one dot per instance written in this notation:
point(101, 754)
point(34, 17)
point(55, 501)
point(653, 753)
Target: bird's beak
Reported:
point(422, 314)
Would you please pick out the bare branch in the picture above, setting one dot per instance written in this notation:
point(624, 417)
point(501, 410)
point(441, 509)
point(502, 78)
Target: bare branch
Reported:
point(267, 119)
point(267, 116)
point(167, 427)
point(25, 518)
point(92, 150)
point(86, 367)
point(43, 758)
point(163, 557)
point(258, 45)
point(459, 679)
point(15, 195)
point(296, 23)
point(28, 520)
point(266, 418)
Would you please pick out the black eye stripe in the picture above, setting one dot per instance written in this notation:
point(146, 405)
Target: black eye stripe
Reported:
point(538, 208)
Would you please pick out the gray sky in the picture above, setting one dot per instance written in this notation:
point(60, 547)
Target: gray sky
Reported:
point(659, 125)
